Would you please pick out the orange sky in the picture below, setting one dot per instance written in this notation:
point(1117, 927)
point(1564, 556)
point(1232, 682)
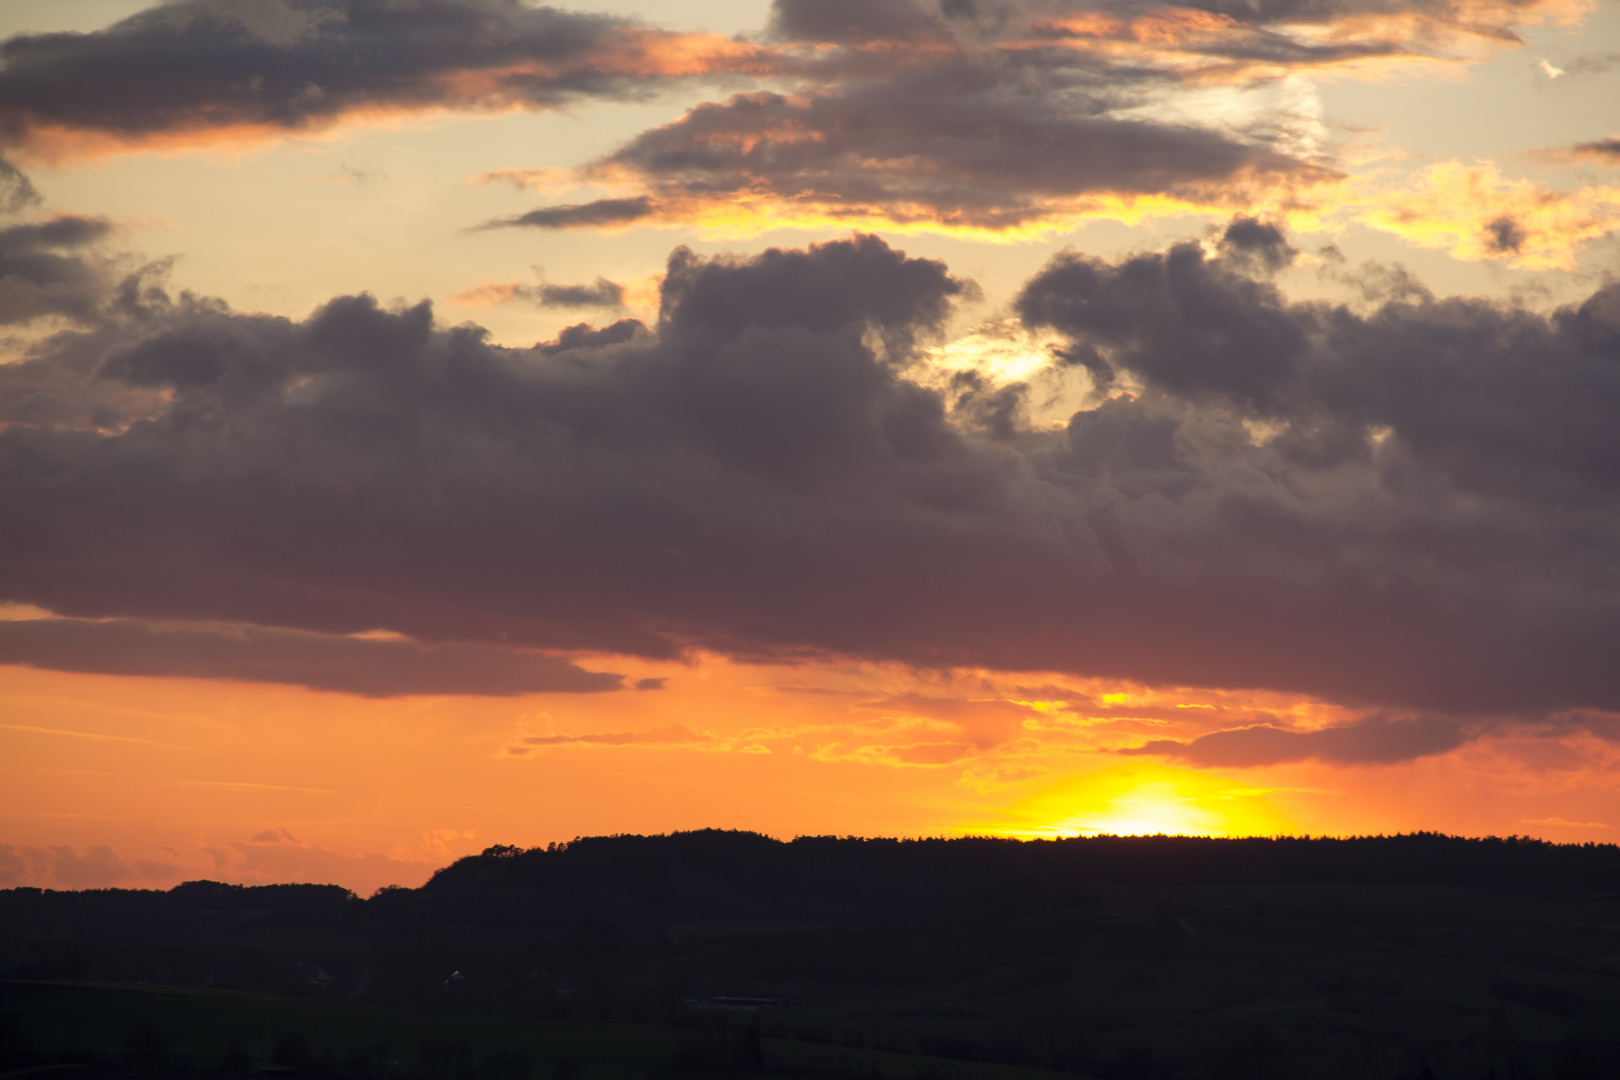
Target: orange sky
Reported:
point(191, 778)
point(1256, 350)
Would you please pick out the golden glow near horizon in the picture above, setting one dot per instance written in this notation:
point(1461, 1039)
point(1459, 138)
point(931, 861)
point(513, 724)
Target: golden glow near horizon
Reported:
point(1456, 145)
point(190, 778)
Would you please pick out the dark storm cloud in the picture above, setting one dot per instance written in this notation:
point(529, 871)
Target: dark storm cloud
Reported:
point(210, 68)
point(1414, 508)
point(365, 666)
point(1376, 740)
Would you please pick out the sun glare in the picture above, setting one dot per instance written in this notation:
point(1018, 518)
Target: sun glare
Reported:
point(1146, 810)
point(1143, 801)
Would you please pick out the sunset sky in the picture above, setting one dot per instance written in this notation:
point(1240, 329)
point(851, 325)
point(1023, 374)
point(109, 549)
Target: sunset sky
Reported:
point(428, 424)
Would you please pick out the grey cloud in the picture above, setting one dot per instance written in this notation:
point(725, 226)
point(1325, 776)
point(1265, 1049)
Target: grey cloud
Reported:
point(1606, 150)
point(1255, 38)
point(1001, 114)
point(603, 294)
point(1376, 740)
point(930, 21)
point(363, 666)
point(44, 269)
point(1413, 508)
point(152, 870)
point(586, 336)
point(1505, 234)
point(1189, 324)
point(1259, 244)
point(1591, 64)
point(194, 67)
point(97, 868)
point(1604, 726)
point(953, 142)
point(17, 192)
point(13, 866)
point(591, 215)
point(854, 21)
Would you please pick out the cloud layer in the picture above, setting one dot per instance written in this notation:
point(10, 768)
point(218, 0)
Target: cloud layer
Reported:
point(368, 667)
point(1026, 116)
point(1411, 507)
point(1002, 117)
point(201, 71)
point(1376, 740)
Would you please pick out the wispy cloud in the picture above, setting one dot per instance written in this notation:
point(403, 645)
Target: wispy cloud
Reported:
point(670, 735)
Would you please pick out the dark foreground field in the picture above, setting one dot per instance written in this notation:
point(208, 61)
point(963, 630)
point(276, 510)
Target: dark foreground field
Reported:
point(1149, 958)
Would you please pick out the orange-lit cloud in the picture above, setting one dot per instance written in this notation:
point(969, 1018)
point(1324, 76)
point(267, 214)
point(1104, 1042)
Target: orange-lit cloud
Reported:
point(189, 75)
point(1599, 151)
point(600, 294)
point(996, 164)
point(1473, 212)
point(1244, 44)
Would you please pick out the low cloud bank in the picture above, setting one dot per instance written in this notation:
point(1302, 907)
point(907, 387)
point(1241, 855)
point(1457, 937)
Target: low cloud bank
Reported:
point(363, 666)
point(1413, 507)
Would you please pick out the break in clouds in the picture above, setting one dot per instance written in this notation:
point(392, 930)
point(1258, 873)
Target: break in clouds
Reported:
point(1410, 509)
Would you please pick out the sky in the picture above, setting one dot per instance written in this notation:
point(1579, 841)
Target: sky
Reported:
point(430, 424)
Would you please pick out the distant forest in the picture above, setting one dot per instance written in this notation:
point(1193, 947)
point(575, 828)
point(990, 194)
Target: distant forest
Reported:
point(721, 953)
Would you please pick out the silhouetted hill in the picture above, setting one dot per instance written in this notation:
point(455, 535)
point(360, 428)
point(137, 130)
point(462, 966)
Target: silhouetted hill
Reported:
point(1104, 956)
point(703, 865)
